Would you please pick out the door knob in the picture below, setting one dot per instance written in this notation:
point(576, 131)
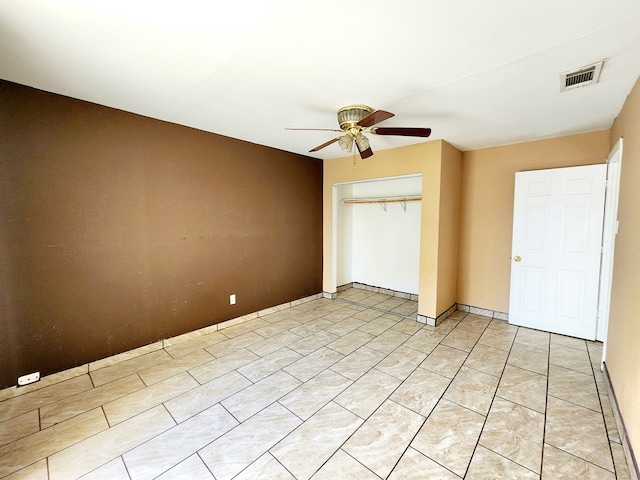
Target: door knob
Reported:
point(516, 258)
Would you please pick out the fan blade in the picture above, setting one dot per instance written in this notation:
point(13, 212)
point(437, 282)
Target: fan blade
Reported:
point(405, 132)
point(316, 129)
point(325, 144)
point(375, 117)
point(366, 153)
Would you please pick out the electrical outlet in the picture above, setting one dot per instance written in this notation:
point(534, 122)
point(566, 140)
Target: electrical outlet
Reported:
point(232, 299)
point(28, 378)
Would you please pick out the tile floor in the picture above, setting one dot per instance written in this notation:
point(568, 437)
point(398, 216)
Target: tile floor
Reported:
point(330, 389)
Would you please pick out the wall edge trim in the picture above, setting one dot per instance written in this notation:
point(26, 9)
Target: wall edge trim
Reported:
point(629, 454)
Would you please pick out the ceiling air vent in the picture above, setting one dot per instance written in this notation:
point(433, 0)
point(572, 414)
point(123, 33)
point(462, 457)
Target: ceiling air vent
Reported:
point(580, 78)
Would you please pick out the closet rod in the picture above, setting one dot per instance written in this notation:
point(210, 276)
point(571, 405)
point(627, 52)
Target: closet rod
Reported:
point(383, 200)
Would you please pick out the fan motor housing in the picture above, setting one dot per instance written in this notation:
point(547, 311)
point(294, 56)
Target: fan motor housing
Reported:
point(350, 115)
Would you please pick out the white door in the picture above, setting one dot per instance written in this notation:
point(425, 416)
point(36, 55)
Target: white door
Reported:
point(555, 262)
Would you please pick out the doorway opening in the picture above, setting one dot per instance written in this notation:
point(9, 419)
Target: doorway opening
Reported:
point(377, 233)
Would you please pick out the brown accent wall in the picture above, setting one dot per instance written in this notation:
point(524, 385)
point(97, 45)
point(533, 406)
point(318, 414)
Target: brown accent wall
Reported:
point(623, 337)
point(118, 230)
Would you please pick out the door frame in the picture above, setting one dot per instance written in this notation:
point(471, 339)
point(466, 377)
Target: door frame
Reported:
point(610, 230)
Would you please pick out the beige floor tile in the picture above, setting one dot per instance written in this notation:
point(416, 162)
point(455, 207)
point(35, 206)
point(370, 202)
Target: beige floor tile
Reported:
point(271, 344)
point(313, 342)
point(338, 316)
point(311, 365)
point(265, 468)
point(159, 454)
point(388, 341)
point(35, 471)
point(474, 323)
point(88, 400)
point(345, 326)
point(445, 361)
point(533, 338)
point(239, 448)
point(609, 419)
point(502, 339)
point(574, 387)
point(445, 326)
point(571, 358)
point(559, 464)
point(200, 342)
point(529, 358)
point(350, 341)
point(161, 372)
point(487, 359)
point(22, 453)
point(114, 470)
point(222, 365)
point(414, 465)
point(424, 340)
point(310, 397)
point(578, 431)
point(402, 362)
point(449, 436)
point(523, 387)
point(368, 393)
point(620, 462)
point(367, 315)
point(125, 356)
point(251, 400)
point(600, 382)
point(126, 407)
point(515, 432)
point(382, 439)
point(502, 325)
point(571, 342)
point(356, 364)
point(486, 464)
point(278, 327)
point(408, 309)
point(243, 328)
point(301, 374)
point(472, 389)
point(310, 445)
point(270, 363)
point(461, 339)
point(199, 399)
point(394, 302)
point(193, 468)
point(311, 327)
point(38, 398)
point(408, 326)
point(378, 325)
point(45, 382)
point(101, 448)
point(233, 344)
point(421, 391)
point(18, 427)
point(128, 367)
point(341, 465)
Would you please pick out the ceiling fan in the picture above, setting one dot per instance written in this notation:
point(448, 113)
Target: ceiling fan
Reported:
point(355, 120)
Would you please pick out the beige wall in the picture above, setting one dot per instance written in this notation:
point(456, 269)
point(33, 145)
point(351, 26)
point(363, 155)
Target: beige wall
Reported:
point(488, 177)
point(449, 228)
point(423, 158)
point(623, 340)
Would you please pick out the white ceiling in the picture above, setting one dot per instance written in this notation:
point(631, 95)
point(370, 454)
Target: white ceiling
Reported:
point(479, 73)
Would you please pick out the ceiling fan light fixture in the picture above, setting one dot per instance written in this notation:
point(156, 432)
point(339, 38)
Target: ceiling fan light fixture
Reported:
point(351, 114)
point(362, 142)
point(346, 142)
